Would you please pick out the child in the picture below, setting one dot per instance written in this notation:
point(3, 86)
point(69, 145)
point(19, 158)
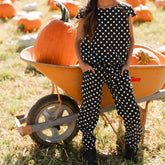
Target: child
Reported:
point(104, 46)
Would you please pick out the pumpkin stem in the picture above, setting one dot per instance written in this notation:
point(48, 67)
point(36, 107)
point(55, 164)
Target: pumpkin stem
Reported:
point(64, 11)
point(20, 27)
point(143, 59)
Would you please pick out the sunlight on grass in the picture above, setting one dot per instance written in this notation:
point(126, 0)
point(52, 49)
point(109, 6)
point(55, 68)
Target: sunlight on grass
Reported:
point(151, 33)
point(20, 90)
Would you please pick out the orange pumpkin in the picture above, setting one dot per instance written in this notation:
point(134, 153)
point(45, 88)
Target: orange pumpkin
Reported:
point(7, 9)
point(160, 3)
point(53, 6)
point(49, 1)
point(163, 87)
point(142, 56)
point(30, 22)
point(143, 2)
point(73, 7)
point(134, 3)
point(143, 13)
point(55, 42)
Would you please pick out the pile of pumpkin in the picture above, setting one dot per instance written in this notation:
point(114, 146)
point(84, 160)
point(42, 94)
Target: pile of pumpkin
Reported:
point(143, 13)
point(55, 44)
point(25, 21)
point(28, 20)
point(142, 56)
point(56, 41)
point(72, 6)
point(32, 21)
point(7, 9)
point(159, 3)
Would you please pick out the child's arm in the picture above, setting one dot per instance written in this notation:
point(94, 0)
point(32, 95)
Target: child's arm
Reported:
point(84, 67)
point(128, 62)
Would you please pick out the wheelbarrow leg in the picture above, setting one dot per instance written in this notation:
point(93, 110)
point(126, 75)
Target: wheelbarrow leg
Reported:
point(52, 92)
point(143, 116)
point(107, 121)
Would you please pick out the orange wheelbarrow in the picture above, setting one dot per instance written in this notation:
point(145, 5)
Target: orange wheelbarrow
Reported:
point(53, 118)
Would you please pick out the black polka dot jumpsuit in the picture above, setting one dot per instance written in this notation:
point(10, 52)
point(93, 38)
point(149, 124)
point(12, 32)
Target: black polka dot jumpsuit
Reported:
point(107, 53)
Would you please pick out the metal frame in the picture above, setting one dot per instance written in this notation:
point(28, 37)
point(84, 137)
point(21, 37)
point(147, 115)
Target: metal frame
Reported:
point(29, 129)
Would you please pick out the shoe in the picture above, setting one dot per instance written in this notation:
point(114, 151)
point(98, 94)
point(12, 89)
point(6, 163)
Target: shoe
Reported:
point(131, 154)
point(90, 157)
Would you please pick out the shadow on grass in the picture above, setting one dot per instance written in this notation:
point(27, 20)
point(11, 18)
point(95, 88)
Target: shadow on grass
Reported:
point(63, 154)
point(4, 20)
point(68, 154)
point(31, 69)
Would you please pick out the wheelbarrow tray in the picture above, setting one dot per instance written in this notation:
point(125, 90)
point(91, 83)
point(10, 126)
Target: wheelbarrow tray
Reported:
point(69, 78)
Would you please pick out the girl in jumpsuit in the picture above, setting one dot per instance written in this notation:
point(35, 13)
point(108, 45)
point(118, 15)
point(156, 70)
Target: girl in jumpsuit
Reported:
point(104, 46)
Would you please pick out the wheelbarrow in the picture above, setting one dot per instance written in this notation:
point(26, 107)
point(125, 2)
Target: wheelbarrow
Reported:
point(53, 118)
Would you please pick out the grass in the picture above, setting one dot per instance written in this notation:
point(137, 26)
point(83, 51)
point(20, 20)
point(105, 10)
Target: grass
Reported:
point(20, 90)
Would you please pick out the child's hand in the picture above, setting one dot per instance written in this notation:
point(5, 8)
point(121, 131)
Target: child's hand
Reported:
point(125, 67)
point(85, 67)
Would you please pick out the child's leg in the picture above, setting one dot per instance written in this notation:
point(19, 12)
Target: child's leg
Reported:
point(89, 112)
point(122, 92)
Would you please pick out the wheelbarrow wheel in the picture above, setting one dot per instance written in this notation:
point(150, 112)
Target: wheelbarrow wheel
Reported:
point(44, 110)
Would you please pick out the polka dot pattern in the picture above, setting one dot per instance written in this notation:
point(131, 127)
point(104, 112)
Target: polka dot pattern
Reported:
point(106, 53)
point(111, 41)
point(122, 92)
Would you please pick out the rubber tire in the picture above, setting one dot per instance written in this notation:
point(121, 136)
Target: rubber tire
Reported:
point(38, 107)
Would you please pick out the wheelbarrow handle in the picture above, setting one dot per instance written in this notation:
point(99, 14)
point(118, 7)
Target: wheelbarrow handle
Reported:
point(135, 79)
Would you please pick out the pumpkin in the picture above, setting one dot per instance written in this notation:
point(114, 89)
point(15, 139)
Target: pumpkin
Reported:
point(49, 2)
point(73, 7)
point(142, 56)
point(161, 49)
point(53, 4)
point(7, 9)
point(163, 87)
point(160, 3)
point(17, 17)
point(143, 13)
point(30, 22)
point(134, 3)
point(143, 2)
point(55, 42)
